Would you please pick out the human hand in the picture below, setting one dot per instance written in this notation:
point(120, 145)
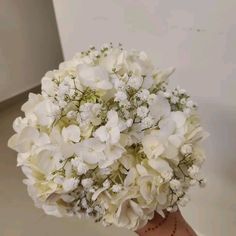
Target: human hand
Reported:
point(172, 225)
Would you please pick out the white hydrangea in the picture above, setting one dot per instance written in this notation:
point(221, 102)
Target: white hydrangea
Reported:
point(107, 139)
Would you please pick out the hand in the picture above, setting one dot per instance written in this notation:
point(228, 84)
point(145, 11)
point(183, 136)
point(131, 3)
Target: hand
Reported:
point(172, 225)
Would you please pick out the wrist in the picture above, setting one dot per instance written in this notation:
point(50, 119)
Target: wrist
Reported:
point(173, 224)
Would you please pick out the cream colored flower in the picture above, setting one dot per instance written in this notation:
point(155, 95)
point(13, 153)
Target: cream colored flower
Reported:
point(152, 147)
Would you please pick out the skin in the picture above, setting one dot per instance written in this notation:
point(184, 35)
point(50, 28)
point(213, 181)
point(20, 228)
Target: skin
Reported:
point(172, 225)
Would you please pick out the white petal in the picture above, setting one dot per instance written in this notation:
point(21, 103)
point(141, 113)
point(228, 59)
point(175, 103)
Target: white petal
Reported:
point(159, 165)
point(141, 170)
point(162, 75)
point(23, 141)
point(102, 133)
point(70, 184)
point(45, 162)
point(112, 117)
point(136, 208)
point(71, 133)
point(115, 135)
point(52, 210)
point(179, 118)
point(98, 192)
point(176, 140)
point(130, 178)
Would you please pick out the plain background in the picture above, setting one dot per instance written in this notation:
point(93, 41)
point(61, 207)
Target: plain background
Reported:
point(197, 37)
point(29, 44)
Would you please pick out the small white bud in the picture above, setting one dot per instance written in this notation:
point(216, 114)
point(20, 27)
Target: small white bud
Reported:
point(106, 183)
point(87, 183)
point(116, 188)
point(186, 149)
point(175, 184)
point(129, 123)
point(193, 171)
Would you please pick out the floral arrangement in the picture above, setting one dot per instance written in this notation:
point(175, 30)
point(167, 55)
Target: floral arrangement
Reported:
point(107, 139)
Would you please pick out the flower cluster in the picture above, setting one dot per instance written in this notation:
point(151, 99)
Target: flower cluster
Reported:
point(108, 139)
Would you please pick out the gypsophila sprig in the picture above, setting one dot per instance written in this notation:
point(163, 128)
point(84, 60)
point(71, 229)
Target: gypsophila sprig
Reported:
point(107, 139)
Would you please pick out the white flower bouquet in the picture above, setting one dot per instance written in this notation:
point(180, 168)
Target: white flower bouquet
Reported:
point(107, 139)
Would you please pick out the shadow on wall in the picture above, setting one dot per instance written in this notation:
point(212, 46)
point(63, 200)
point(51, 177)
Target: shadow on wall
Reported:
point(220, 122)
point(29, 44)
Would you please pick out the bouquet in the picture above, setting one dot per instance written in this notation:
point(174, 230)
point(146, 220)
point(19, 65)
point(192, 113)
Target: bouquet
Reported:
point(108, 139)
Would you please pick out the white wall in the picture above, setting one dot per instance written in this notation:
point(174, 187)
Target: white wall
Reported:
point(29, 44)
point(198, 38)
